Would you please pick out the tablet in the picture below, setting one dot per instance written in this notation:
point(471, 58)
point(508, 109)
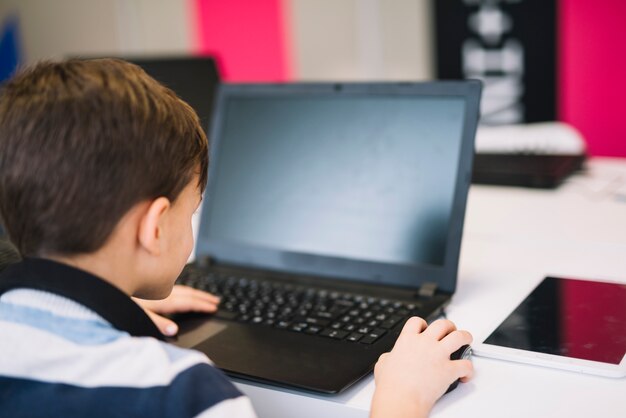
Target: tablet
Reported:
point(570, 324)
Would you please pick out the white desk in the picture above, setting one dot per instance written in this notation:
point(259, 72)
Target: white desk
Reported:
point(513, 238)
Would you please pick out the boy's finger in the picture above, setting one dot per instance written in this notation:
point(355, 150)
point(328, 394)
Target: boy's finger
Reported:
point(202, 305)
point(190, 291)
point(414, 325)
point(193, 304)
point(165, 325)
point(206, 296)
point(440, 328)
point(455, 340)
point(464, 369)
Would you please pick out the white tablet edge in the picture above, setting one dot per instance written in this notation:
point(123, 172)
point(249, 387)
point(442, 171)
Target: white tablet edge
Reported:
point(551, 360)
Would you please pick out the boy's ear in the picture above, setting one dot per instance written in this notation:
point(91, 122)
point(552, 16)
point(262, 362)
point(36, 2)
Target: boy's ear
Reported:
point(151, 225)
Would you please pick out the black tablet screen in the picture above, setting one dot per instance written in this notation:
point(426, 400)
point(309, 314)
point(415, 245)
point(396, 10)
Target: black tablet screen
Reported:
point(571, 318)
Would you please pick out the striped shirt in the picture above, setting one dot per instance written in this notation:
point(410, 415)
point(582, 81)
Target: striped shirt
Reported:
point(60, 358)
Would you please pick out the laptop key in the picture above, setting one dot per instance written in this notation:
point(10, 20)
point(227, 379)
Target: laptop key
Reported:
point(313, 329)
point(298, 327)
point(334, 333)
point(282, 324)
point(373, 336)
point(345, 303)
point(354, 337)
point(312, 320)
point(413, 306)
point(390, 322)
point(389, 310)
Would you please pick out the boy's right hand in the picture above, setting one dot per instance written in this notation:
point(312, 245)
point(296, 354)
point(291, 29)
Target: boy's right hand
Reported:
point(418, 370)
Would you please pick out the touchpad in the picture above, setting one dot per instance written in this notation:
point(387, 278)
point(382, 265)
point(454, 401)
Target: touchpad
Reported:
point(194, 331)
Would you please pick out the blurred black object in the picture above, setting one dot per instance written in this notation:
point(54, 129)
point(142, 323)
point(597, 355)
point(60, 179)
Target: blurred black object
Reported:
point(526, 170)
point(193, 79)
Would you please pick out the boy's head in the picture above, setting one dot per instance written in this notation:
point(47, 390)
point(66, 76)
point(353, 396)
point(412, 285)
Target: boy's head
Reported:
point(86, 144)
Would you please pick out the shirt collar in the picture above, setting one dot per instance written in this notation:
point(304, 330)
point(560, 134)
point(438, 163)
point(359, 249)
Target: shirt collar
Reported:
point(103, 298)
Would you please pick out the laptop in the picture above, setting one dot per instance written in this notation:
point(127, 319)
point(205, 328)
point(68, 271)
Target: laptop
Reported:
point(333, 213)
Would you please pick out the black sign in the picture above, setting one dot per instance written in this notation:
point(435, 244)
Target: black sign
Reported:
point(508, 44)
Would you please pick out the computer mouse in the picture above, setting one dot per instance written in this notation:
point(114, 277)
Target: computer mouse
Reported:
point(463, 353)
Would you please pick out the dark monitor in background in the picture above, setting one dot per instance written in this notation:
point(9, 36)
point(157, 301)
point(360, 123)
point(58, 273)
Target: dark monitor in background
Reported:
point(193, 79)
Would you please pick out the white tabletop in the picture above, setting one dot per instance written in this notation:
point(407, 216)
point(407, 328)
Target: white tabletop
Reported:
point(513, 238)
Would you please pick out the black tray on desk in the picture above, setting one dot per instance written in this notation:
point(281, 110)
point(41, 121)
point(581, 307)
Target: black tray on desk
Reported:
point(525, 170)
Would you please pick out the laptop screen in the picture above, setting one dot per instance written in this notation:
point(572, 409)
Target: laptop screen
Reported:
point(353, 177)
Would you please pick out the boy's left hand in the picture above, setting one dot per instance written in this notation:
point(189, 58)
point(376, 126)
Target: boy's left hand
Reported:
point(182, 299)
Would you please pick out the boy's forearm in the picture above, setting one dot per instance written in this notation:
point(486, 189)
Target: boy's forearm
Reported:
point(394, 405)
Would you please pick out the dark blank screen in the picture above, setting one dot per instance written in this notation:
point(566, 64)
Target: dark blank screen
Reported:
point(571, 318)
point(365, 178)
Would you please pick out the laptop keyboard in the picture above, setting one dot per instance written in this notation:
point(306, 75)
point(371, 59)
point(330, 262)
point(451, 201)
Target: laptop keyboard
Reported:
point(313, 311)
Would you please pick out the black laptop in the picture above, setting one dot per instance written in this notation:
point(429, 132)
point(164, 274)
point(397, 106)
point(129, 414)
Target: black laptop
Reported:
point(333, 213)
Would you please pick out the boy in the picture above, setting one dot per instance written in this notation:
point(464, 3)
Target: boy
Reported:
point(101, 169)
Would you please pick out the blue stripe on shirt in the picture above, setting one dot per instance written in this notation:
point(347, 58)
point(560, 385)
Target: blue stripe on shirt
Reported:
point(193, 391)
point(79, 331)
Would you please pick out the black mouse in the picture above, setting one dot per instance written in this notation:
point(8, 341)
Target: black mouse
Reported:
point(463, 353)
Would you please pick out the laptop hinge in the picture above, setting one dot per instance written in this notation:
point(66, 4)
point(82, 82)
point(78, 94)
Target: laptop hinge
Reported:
point(205, 261)
point(427, 290)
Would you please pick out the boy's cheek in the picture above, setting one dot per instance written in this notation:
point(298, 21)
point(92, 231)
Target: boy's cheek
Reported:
point(189, 249)
point(186, 244)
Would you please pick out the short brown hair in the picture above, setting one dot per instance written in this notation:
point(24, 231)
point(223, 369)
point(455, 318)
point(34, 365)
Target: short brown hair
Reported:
point(81, 142)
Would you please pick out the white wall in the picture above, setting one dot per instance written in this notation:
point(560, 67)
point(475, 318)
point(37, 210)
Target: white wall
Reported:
point(362, 39)
point(58, 28)
point(331, 39)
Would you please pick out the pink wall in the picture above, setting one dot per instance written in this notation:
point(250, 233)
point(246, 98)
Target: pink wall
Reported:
point(593, 72)
point(251, 41)
point(248, 38)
